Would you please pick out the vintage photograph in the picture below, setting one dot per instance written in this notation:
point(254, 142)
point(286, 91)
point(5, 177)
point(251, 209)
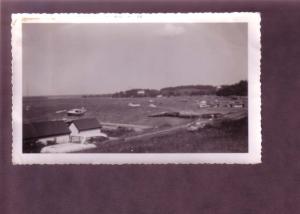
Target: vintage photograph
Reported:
point(136, 88)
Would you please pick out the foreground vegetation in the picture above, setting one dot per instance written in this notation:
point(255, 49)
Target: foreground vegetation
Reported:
point(229, 136)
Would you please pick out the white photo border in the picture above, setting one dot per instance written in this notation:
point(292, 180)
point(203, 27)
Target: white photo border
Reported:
point(254, 90)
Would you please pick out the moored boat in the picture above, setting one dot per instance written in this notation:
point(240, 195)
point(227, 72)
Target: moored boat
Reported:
point(76, 112)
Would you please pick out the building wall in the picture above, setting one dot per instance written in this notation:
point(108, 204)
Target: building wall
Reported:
point(81, 137)
point(56, 139)
point(73, 129)
point(90, 132)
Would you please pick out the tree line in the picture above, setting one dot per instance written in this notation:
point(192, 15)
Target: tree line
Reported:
point(237, 89)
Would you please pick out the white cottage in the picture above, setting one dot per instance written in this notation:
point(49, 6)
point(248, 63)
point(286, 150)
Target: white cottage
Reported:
point(86, 128)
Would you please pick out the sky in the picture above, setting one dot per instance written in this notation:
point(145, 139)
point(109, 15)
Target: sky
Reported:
point(65, 59)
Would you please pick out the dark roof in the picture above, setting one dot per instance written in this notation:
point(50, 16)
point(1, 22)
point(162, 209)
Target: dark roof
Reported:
point(86, 124)
point(45, 129)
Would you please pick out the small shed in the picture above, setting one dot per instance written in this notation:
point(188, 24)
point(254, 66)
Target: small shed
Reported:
point(46, 132)
point(86, 128)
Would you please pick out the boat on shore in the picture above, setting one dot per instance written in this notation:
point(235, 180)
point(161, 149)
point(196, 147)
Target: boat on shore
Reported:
point(134, 104)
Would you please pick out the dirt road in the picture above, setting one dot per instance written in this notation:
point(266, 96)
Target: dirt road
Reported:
point(157, 133)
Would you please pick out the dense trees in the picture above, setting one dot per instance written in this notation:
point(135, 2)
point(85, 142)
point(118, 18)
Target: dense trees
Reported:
point(238, 89)
point(137, 93)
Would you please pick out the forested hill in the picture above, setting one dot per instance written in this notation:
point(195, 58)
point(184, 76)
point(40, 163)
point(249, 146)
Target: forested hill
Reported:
point(137, 93)
point(239, 89)
point(189, 90)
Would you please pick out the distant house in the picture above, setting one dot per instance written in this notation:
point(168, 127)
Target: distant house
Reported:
point(86, 128)
point(48, 132)
point(141, 92)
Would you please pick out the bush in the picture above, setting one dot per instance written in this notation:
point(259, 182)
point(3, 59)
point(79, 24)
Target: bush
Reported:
point(120, 131)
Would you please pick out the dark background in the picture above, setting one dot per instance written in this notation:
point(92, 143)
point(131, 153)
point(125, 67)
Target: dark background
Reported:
point(270, 187)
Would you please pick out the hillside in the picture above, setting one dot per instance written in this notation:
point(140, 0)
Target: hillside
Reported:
point(238, 89)
point(188, 90)
point(137, 93)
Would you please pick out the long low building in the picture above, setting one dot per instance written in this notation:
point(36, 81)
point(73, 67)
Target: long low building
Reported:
point(57, 132)
point(47, 132)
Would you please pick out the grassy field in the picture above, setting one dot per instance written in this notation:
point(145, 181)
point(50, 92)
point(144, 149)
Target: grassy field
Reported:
point(230, 138)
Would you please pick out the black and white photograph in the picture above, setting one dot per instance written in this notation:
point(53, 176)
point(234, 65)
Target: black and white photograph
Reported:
point(136, 88)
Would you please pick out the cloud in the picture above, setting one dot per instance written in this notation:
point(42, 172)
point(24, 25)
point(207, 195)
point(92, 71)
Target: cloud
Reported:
point(171, 30)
